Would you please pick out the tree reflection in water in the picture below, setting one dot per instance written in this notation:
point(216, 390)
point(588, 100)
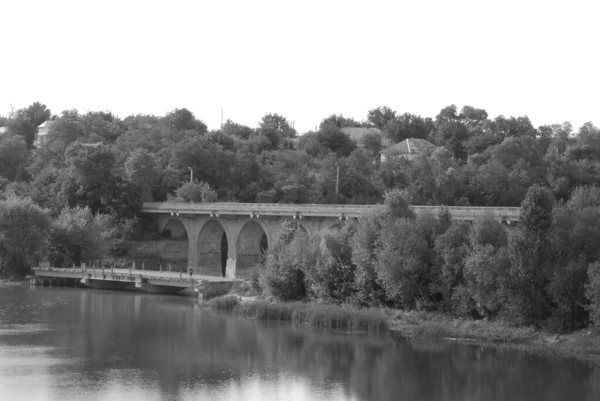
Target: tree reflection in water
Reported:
point(117, 345)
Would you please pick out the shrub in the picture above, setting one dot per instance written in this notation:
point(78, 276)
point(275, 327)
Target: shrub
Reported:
point(452, 246)
point(226, 303)
point(402, 262)
point(283, 275)
point(592, 292)
point(321, 316)
point(330, 276)
point(368, 290)
point(195, 192)
point(23, 228)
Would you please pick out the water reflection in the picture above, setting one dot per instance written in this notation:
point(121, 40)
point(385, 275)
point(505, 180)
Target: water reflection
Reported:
point(70, 344)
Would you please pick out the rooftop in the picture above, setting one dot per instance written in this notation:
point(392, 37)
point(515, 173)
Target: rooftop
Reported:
point(412, 146)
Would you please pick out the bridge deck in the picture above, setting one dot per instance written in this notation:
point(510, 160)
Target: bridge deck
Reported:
point(315, 210)
point(173, 279)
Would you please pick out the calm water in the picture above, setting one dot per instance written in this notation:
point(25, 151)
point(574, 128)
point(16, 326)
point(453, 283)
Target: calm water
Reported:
point(73, 344)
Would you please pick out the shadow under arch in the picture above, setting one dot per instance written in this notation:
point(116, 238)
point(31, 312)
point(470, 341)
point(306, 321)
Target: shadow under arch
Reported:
point(174, 229)
point(251, 243)
point(213, 248)
point(172, 248)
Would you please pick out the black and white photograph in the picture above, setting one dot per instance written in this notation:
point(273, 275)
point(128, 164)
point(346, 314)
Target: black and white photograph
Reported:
point(283, 200)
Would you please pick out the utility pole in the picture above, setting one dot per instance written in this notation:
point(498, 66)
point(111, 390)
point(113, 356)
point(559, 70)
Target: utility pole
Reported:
point(221, 118)
point(191, 174)
point(337, 182)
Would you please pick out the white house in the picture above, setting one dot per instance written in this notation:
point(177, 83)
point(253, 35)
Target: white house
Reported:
point(43, 129)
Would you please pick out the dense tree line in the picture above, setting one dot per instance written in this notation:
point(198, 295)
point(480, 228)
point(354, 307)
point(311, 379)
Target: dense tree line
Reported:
point(113, 164)
point(86, 184)
point(545, 274)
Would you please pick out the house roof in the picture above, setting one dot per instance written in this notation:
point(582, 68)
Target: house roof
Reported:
point(411, 146)
point(46, 124)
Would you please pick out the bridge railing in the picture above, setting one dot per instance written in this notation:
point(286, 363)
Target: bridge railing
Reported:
point(458, 212)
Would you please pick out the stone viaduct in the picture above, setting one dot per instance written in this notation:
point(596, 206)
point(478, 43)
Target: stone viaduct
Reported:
point(226, 239)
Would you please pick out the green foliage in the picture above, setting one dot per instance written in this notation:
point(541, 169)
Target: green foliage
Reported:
point(78, 235)
point(140, 170)
point(225, 303)
point(23, 230)
point(331, 138)
point(331, 276)
point(195, 192)
point(315, 315)
point(14, 156)
point(283, 277)
point(592, 291)
point(403, 261)
point(484, 293)
point(531, 256)
point(397, 203)
point(452, 247)
point(364, 245)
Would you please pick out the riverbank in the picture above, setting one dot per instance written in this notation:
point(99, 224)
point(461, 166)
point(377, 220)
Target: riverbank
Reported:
point(583, 345)
point(10, 282)
point(316, 315)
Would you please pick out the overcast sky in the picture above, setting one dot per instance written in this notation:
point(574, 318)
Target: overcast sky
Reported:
point(303, 59)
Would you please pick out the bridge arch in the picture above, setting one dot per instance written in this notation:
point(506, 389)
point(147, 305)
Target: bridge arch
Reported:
point(176, 228)
point(252, 241)
point(214, 242)
point(173, 247)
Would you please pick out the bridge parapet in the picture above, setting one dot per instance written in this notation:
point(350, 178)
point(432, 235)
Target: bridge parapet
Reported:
point(255, 210)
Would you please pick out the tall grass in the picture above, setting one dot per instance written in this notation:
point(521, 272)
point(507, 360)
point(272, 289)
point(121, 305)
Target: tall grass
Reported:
point(322, 316)
point(226, 303)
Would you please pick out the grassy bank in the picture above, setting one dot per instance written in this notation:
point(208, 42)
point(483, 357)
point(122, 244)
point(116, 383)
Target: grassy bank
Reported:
point(417, 325)
point(315, 315)
point(432, 325)
point(582, 344)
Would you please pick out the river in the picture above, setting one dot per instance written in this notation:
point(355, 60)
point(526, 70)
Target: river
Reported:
point(77, 344)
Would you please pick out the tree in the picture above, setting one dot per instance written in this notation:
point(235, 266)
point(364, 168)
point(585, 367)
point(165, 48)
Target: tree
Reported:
point(338, 121)
point(283, 276)
point(593, 294)
point(381, 116)
point(336, 141)
point(183, 119)
point(195, 192)
point(26, 121)
point(77, 235)
point(531, 254)
point(89, 180)
point(237, 130)
point(276, 128)
point(14, 156)
point(364, 244)
point(140, 169)
point(23, 229)
point(331, 277)
point(408, 126)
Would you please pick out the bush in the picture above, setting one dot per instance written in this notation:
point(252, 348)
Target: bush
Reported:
point(592, 292)
point(226, 303)
point(404, 261)
point(23, 229)
point(283, 275)
point(195, 192)
point(322, 316)
point(330, 277)
point(368, 290)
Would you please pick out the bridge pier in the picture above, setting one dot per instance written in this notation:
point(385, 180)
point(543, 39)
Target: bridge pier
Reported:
point(226, 239)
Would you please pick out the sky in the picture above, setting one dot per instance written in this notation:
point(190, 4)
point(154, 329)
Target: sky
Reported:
point(303, 59)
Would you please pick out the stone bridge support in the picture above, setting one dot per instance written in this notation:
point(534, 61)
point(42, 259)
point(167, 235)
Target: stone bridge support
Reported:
point(231, 245)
